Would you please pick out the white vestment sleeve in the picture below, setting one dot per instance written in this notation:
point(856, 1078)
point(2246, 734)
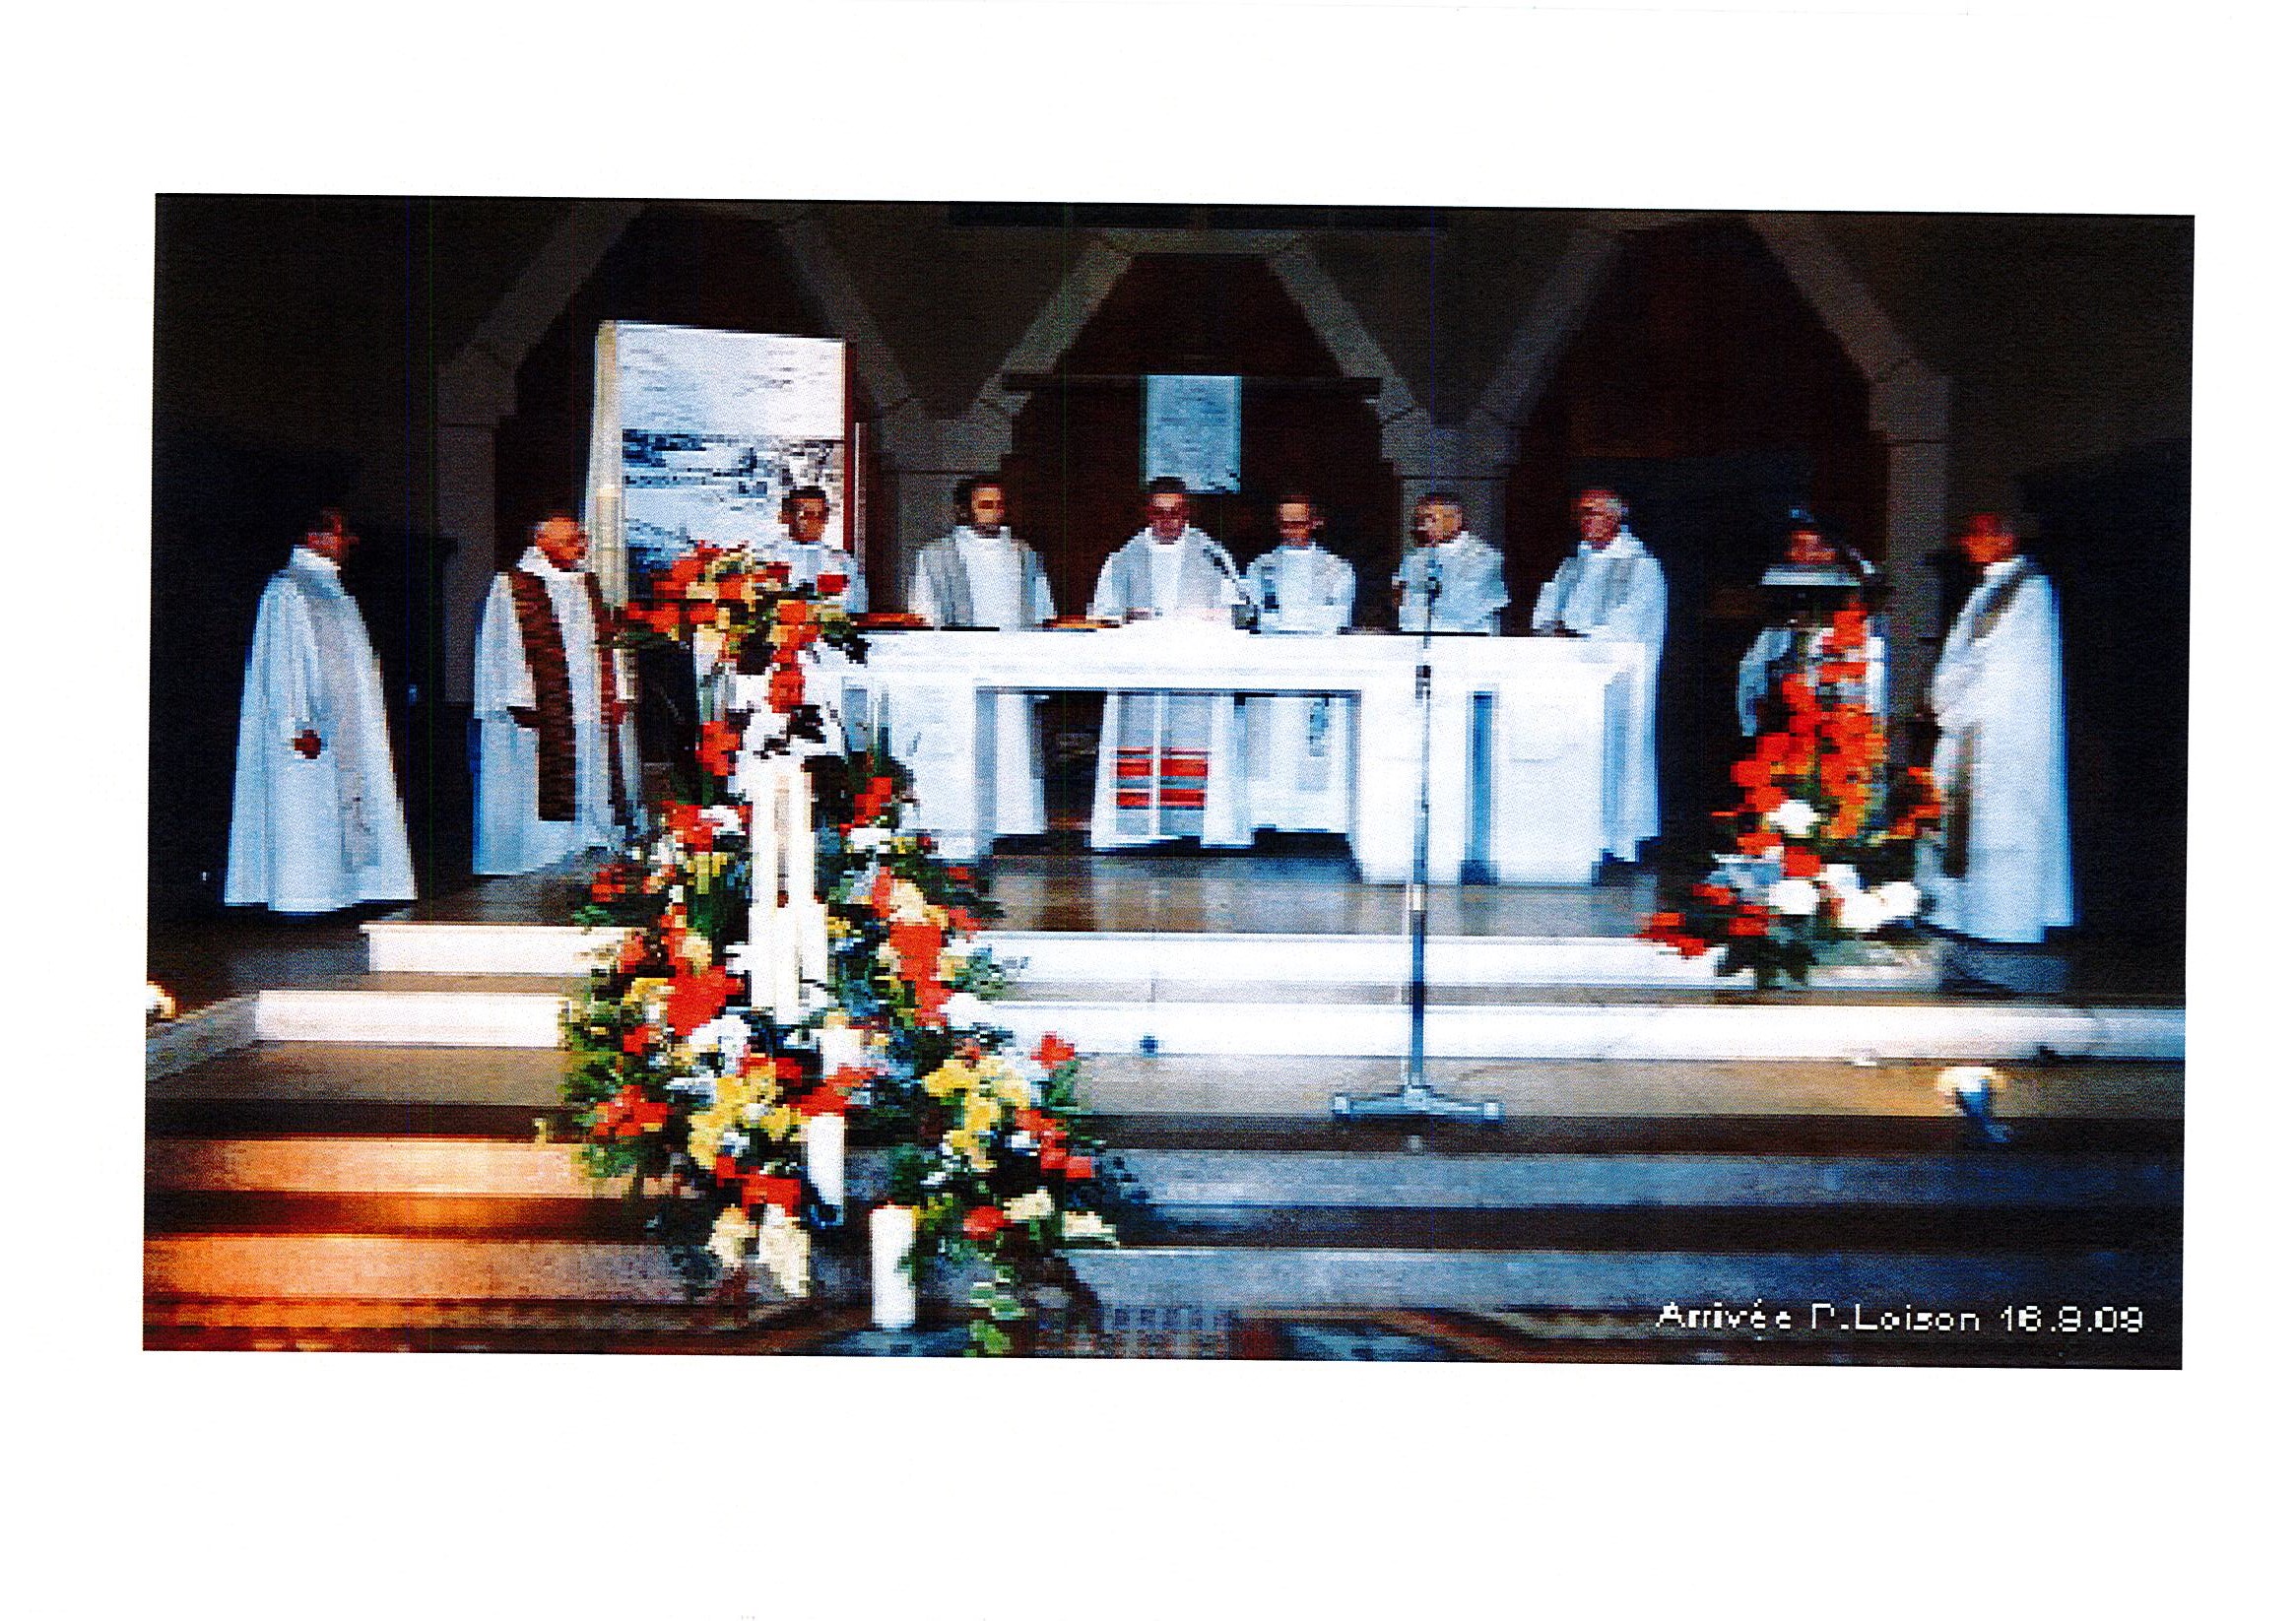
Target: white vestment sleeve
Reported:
point(1108, 599)
point(500, 681)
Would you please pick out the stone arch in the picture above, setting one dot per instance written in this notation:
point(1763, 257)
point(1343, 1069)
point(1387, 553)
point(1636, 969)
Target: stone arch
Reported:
point(1909, 402)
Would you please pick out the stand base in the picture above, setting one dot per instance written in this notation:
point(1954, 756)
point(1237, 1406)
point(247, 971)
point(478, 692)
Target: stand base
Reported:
point(1414, 1098)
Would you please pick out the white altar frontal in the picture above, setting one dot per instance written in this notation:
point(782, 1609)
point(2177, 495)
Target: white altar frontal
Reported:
point(1526, 748)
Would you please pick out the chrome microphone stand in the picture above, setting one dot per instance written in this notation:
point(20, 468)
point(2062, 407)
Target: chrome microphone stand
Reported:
point(1415, 1097)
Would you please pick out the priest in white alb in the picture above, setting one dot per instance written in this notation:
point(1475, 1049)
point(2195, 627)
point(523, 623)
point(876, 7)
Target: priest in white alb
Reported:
point(1803, 592)
point(1450, 579)
point(1298, 748)
point(1168, 764)
point(1613, 590)
point(554, 767)
point(810, 556)
point(978, 576)
point(2000, 868)
point(316, 822)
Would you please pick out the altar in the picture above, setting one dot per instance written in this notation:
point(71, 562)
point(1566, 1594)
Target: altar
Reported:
point(1527, 736)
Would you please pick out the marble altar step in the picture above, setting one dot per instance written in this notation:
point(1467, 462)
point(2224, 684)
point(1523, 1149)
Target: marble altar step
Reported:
point(1168, 958)
point(1328, 1019)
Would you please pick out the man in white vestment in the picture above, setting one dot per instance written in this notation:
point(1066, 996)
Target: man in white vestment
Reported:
point(2001, 866)
point(809, 555)
point(316, 822)
point(1613, 590)
point(554, 772)
point(1298, 748)
point(1168, 766)
point(979, 576)
point(1809, 585)
point(1463, 576)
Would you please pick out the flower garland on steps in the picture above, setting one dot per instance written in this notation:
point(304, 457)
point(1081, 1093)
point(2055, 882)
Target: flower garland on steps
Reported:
point(775, 987)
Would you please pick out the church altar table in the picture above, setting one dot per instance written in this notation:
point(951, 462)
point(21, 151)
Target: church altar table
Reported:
point(1526, 753)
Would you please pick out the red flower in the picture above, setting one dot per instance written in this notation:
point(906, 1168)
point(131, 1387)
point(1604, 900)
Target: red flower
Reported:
point(760, 1188)
point(1079, 1167)
point(1664, 922)
point(726, 1169)
point(793, 611)
point(1802, 862)
point(961, 875)
point(1751, 773)
point(983, 1221)
point(1691, 946)
point(1767, 798)
point(785, 689)
point(776, 575)
point(1770, 747)
point(719, 744)
point(1052, 1052)
point(696, 999)
point(1052, 1156)
point(1758, 841)
point(830, 585)
point(1748, 927)
point(636, 1038)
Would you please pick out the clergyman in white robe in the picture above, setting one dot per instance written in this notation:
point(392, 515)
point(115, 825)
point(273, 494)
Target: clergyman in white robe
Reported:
point(1467, 577)
point(513, 834)
point(316, 822)
point(1617, 593)
point(2000, 866)
point(1299, 748)
point(1168, 765)
point(970, 579)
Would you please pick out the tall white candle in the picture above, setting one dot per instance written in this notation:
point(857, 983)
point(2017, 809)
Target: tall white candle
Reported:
point(801, 833)
point(892, 1293)
point(824, 1157)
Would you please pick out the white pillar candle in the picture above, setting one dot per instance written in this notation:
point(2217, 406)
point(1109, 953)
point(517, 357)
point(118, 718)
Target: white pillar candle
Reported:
point(824, 1157)
point(788, 1002)
point(801, 833)
point(840, 1047)
point(892, 1293)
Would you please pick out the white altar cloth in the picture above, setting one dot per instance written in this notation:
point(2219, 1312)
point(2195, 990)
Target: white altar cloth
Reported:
point(1553, 752)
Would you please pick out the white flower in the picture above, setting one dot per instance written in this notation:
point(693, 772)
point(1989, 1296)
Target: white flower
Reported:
point(965, 1009)
point(1084, 1227)
point(870, 837)
point(1968, 1081)
point(158, 1004)
point(1794, 897)
point(786, 1254)
point(729, 1035)
point(1863, 912)
point(1794, 819)
point(1842, 879)
point(729, 1239)
point(1902, 899)
point(1035, 1206)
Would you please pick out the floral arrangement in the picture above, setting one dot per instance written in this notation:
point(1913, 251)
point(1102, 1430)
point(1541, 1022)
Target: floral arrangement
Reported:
point(713, 1094)
point(1821, 845)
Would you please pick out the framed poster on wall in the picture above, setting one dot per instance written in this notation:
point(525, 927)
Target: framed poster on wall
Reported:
point(697, 435)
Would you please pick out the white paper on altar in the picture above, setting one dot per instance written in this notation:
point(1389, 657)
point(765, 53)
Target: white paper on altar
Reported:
point(1191, 429)
point(699, 435)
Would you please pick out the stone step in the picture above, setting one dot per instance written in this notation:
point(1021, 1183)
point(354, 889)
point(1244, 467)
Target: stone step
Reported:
point(1336, 1021)
point(1808, 1165)
point(1167, 959)
point(1278, 1275)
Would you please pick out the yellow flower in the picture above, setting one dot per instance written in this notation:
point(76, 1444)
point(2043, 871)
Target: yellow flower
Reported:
point(981, 1113)
point(1006, 1083)
point(952, 1077)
